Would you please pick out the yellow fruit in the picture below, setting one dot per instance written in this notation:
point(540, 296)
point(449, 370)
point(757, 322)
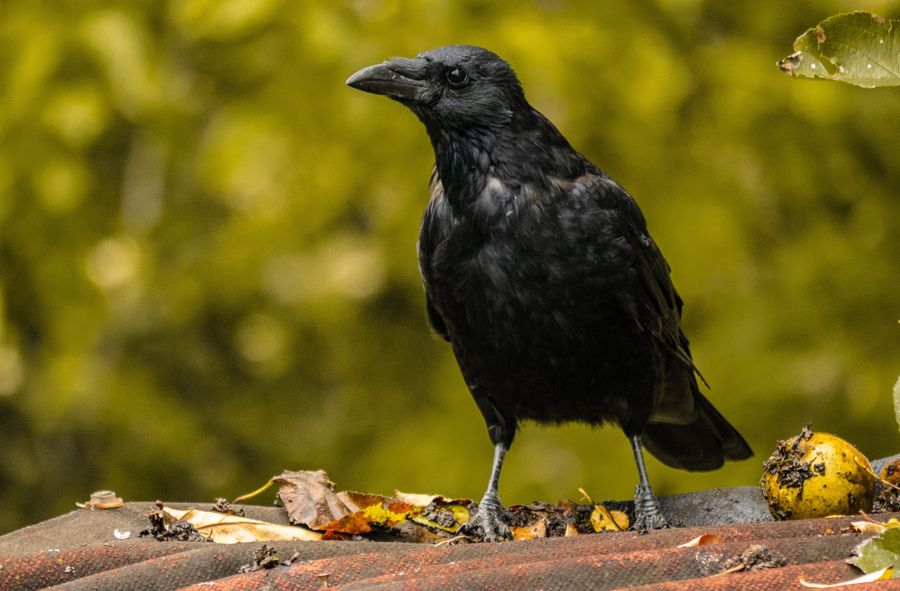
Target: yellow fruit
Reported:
point(817, 475)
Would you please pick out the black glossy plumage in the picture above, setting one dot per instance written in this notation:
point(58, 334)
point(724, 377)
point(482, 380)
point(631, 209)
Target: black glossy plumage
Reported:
point(539, 270)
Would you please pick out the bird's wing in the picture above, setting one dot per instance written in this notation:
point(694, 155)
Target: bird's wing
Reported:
point(435, 320)
point(656, 307)
point(430, 235)
point(659, 311)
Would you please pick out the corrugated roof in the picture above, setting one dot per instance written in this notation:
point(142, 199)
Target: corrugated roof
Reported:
point(80, 551)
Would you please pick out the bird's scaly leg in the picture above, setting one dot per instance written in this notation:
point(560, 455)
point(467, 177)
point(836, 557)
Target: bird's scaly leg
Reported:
point(489, 522)
point(647, 514)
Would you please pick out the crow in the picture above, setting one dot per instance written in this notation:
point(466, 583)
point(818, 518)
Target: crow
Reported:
point(540, 272)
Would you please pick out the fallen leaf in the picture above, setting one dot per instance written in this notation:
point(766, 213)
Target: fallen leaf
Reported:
point(867, 527)
point(879, 552)
point(530, 532)
point(568, 506)
point(356, 501)
point(423, 500)
point(381, 511)
point(388, 512)
point(701, 541)
point(884, 573)
point(602, 519)
point(438, 511)
point(870, 526)
point(444, 516)
point(419, 500)
point(310, 499)
point(230, 529)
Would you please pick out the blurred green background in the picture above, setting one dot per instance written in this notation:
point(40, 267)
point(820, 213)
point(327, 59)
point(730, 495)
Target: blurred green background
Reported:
point(207, 241)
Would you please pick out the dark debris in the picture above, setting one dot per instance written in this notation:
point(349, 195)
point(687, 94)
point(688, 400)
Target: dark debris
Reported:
point(755, 557)
point(887, 497)
point(785, 463)
point(266, 557)
point(223, 506)
point(559, 516)
point(440, 515)
point(180, 531)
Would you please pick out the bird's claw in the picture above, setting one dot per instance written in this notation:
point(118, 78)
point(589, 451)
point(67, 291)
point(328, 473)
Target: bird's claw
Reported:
point(647, 522)
point(488, 523)
point(647, 513)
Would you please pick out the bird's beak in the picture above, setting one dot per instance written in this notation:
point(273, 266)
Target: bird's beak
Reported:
point(399, 78)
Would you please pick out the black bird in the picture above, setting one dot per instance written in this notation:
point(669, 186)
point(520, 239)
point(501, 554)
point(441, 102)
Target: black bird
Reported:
point(539, 271)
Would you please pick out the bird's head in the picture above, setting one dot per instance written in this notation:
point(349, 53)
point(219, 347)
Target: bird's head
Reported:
point(452, 88)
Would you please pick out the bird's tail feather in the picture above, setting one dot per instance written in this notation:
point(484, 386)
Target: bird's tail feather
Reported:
point(703, 444)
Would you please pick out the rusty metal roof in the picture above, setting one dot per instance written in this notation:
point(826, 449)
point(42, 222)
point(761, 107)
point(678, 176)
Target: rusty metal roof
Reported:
point(80, 551)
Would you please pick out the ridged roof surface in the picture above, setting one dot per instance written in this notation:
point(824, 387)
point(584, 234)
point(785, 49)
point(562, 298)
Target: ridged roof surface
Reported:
point(80, 551)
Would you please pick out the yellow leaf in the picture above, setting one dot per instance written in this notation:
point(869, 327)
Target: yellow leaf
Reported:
point(531, 532)
point(384, 516)
point(448, 513)
point(602, 519)
point(458, 512)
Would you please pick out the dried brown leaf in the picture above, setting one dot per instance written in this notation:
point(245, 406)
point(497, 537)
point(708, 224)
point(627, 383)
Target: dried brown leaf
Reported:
point(230, 529)
point(423, 500)
point(310, 499)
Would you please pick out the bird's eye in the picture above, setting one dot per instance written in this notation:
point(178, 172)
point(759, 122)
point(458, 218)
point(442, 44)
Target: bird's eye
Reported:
point(457, 77)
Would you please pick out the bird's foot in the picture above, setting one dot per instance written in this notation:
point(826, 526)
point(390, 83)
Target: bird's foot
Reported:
point(647, 514)
point(488, 523)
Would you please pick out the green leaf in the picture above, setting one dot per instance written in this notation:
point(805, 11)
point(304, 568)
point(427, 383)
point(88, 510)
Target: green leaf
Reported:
point(859, 48)
point(878, 552)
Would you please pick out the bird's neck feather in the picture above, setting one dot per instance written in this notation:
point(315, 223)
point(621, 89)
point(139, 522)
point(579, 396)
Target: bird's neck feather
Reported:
point(528, 151)
point(463, 163)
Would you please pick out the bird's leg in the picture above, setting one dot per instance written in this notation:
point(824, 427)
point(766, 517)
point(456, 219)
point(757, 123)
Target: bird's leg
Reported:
point(647, 514)
point(489, 522)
